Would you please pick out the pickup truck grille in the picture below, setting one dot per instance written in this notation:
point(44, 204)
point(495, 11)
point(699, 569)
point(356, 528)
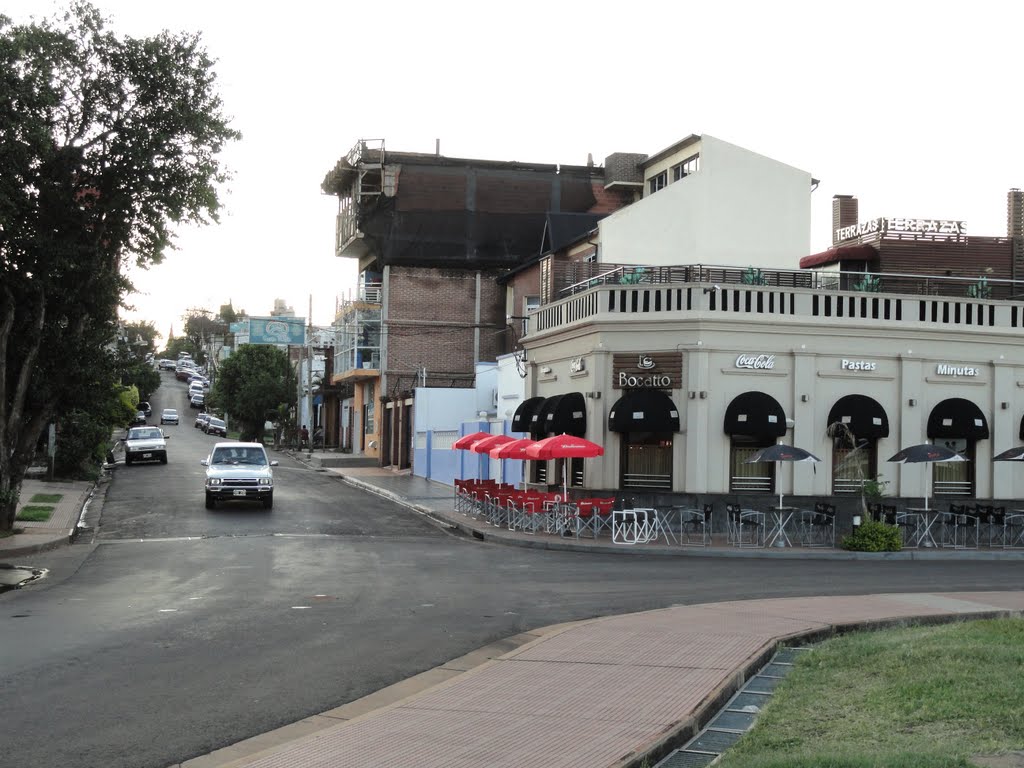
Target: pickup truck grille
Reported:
point(240, 483)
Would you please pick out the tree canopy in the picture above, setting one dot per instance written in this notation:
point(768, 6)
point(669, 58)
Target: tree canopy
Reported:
point(252, 384)
point(106, 143)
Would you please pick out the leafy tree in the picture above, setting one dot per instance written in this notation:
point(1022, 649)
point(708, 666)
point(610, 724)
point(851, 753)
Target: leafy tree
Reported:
point(106, 143)
point(253, 383)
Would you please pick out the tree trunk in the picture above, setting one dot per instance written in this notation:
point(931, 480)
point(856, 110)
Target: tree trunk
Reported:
point(9, 494)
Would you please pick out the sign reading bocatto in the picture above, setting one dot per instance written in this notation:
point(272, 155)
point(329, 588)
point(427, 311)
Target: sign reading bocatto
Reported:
point(647, 370)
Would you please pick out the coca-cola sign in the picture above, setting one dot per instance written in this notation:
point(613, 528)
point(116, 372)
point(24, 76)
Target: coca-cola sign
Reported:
point(756, 362)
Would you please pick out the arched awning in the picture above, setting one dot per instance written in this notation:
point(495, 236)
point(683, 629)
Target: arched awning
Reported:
point(957, 418)
point(863, 415)
point(563, 413)
point(644, 410)
point(755, 414)
point(522, 419)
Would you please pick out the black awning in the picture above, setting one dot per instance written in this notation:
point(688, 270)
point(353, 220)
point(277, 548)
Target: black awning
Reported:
point(522, 419)
point(957, 418)
point(563, 413)
point(644, 410)
point(755, 414)
point(863, 415)
point(1022, 429)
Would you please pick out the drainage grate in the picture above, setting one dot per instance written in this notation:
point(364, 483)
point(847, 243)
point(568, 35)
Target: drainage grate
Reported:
point(683, 759)
point(736, 717)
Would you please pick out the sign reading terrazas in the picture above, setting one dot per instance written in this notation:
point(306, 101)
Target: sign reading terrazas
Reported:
point(900, 224)
point(946, 369)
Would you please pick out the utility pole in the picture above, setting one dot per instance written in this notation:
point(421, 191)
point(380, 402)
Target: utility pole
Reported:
point(309, 371)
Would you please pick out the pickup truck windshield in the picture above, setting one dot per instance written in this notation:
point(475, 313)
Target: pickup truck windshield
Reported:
point(239, 456)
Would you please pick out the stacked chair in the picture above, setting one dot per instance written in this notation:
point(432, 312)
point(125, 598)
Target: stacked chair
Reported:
point(746, 526)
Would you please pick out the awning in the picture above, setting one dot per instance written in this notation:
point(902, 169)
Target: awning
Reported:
point(957, 418)
point(522, 419)
point(864, 417)
point(563, 413)
point(1022, 429)
point(861, 252)
point(755, 414)
point(644, 410)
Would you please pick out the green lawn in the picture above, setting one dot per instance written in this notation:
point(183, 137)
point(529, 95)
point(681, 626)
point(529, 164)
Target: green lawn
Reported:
point(34, 513)
point(46, 498)
point(915, 697)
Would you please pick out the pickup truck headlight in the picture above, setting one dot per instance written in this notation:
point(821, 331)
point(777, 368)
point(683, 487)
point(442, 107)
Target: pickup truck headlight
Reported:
point(214, 481)
point(264, 481)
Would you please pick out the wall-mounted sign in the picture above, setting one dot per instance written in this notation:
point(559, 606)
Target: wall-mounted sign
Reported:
point(886, 225)
point(647, 370)
point(756, 362)
point(577, 365)
point(859, 365)
point(945, 369)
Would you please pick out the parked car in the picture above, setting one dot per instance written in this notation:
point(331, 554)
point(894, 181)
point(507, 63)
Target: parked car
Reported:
point(166, 365)
point(239, 472)
point(215, 426)
point(169, 416)
point(140, 418)
point(198, 401)
point(202, 420)
point(145, 408)
point(145, 444)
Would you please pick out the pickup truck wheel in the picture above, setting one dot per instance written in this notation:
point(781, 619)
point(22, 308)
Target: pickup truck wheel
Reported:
point(163, 459)
point(127, 460)
point(268, 501)
point(211, 503)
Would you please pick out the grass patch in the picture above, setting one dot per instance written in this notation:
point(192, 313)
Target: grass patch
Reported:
point(913, 697)
point(34, 513)
point(46, 498)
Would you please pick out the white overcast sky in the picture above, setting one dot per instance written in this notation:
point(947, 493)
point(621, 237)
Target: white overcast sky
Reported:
point(914, 107)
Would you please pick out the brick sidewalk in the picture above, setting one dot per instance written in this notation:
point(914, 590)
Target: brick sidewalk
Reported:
point(52, 533)
point(615, 689)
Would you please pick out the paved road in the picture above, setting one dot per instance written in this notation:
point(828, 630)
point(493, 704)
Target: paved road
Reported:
point(147, 648)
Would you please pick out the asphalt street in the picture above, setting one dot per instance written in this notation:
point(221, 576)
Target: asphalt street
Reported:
point(170, 630)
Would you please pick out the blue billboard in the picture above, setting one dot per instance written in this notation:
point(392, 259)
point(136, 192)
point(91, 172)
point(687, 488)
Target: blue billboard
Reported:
point(277, 330)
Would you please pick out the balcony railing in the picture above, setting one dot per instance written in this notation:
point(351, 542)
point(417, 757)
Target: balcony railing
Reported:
point(575, 277)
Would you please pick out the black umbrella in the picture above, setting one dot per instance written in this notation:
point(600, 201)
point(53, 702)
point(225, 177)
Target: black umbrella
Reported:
point(1010, 454)
point(926, 453)
point(780, 452)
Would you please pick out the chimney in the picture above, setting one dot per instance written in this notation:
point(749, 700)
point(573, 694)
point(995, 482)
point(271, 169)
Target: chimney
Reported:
point(845, 211)
point(1015, 213)
point(590, 159)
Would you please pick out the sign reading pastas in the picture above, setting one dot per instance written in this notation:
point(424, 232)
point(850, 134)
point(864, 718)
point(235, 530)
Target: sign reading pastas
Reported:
point(647, 370)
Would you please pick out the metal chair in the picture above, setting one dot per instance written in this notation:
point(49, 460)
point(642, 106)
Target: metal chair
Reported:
point(822, 525)
point(910, 525)
point(991, 521)
point(746, 526)
point(696, 522)
point(1013, 531)
point(959, 528)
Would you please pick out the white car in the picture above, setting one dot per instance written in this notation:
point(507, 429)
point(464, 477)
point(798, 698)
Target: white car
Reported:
point(239, 472)
point(169, 416)
point(145, 444)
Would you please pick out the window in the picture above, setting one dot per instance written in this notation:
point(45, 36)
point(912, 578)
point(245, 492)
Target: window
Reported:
point(685, 168)
point(954, 478)
point(750, 478)
point(658, 182)
point(852, 466)
point(647, 460)
point(369, 410)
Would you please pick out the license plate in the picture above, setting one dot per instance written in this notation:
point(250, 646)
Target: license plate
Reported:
point(240, 492)
point(147, 455)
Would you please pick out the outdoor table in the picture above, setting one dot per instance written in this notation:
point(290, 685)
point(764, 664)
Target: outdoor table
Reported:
point(928, 516)
point(781, 516)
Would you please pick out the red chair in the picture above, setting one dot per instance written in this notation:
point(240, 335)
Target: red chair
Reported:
point(603, 515)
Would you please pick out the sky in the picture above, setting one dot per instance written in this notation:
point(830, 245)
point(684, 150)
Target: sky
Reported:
point(914, 107)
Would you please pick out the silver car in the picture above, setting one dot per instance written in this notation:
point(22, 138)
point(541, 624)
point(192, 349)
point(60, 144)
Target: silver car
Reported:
point(239, 472)
point(145, 444)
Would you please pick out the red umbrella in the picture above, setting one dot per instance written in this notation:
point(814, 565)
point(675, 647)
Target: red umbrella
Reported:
point(465, 443)
point(485, 445)
point(564, 447)
point(516, 449)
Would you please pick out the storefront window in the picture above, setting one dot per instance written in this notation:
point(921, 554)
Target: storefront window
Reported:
point(647, 460)
point(954, 478)
point(750, 478)
point(852, 466)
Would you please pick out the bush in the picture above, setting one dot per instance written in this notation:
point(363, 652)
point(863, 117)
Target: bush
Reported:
point(874, 537)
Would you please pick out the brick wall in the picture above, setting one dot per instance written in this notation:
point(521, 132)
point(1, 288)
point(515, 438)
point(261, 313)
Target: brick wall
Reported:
point(430, 323)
